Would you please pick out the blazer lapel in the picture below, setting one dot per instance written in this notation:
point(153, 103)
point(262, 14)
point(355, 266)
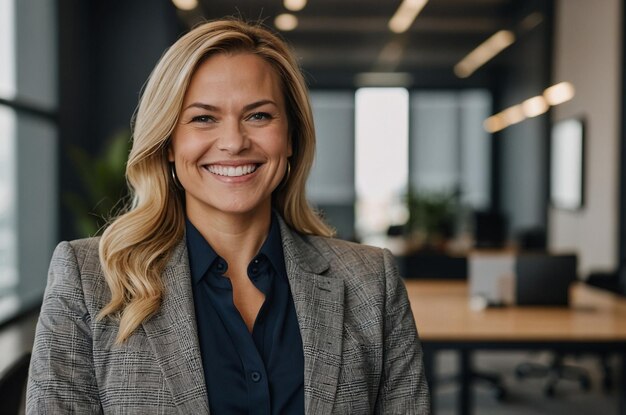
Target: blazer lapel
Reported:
point(173, 337)
point(319, 303)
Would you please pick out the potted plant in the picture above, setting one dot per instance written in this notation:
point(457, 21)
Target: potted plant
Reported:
point(103, 181)
point(432, 217)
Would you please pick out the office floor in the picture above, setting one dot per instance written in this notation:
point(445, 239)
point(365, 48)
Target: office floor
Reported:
point(525, 397)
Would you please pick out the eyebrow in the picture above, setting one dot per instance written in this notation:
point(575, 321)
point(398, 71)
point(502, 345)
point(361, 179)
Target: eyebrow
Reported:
point(248, 107)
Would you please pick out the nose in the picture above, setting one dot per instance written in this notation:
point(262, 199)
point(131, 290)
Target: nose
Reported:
point(233, 139)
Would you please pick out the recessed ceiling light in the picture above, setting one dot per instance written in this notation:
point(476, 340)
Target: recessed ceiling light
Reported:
point(559, 93)
point(535, 106)
point(532, 107)
point(185, 4)
point(286, 22)
point(294, 5)
point(494, 124)
point(483, 53)
point(404, 17)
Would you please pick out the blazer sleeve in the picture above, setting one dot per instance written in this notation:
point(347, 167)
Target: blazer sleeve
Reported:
point(61, 377)
point(403, 388)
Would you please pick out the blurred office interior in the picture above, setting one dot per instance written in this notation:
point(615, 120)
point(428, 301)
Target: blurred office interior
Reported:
point(419, 149)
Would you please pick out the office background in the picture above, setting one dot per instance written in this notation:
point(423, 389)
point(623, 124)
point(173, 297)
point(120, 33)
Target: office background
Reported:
point(78, 68)
point(73, 70)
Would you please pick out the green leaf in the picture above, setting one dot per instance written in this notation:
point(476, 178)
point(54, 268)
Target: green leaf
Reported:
point(103, 182)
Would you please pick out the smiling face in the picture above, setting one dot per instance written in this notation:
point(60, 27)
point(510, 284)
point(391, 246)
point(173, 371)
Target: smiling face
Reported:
point(231, 143)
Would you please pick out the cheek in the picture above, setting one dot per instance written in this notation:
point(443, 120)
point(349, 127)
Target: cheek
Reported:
point(186, 147)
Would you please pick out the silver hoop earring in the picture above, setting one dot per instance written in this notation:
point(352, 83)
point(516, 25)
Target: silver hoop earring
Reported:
point(174, 177)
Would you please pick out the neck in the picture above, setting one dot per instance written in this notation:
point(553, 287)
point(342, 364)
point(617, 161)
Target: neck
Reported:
point(235, 237)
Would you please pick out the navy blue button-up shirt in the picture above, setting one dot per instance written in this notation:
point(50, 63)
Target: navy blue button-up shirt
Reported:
point(247, 373)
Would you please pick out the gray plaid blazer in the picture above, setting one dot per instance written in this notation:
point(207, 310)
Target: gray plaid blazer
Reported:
point(361, 351)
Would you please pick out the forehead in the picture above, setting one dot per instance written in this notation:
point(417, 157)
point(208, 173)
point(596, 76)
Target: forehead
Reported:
point(225, 75)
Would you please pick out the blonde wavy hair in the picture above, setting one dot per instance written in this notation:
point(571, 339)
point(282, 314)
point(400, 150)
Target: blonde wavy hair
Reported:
point(135, 247)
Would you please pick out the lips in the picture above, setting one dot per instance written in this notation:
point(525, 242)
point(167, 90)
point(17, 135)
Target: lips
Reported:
point(231, 171)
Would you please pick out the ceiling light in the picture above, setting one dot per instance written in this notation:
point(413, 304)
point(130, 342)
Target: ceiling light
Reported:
point(494, 124)
point(513, 115)
point(532, 107)
point(559, 93)
point(383, 79)
point(484, 53)
point(286, 22)
point(185, 4)
point(531, 21)
point(294, 5)
point(535, 106)
point(405, 15)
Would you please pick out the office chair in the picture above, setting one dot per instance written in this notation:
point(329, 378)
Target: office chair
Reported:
point(12, 383)
point(437, 265)
point(534, 240)
point(555, 371)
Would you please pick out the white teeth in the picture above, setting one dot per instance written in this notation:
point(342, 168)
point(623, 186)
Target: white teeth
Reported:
point(231, 171)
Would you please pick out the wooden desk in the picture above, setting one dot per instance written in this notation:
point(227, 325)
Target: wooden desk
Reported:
point(594, 322)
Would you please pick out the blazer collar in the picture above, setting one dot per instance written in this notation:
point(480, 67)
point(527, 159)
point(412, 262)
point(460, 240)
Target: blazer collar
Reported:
point(319, 301)
point(301, 253)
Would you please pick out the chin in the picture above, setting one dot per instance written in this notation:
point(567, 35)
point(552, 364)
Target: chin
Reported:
point(243, 207)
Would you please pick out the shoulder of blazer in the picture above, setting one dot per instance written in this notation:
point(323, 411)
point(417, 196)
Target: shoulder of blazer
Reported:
point(350, 259)
point(95, 288)
point(96, 291)
point(87, 256)
point(320, 254)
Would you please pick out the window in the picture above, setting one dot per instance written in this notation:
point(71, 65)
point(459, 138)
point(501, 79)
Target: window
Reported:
point(381, 165)
point(28, 148)
point(374, 144)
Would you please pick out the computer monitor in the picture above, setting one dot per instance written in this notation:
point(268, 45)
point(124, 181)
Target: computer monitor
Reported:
point(544, 279)
point(489, 229)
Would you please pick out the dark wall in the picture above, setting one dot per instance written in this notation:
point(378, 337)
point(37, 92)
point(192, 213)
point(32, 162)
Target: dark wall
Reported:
point(522, 149)
point(107, 49)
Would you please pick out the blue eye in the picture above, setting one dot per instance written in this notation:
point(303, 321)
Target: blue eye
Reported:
point(202, 118)
point(260, 116)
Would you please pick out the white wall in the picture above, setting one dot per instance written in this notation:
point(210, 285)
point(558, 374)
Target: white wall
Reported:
point(587, 53)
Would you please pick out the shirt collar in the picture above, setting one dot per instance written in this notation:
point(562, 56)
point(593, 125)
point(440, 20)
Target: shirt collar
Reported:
point(273, 248)
point(202, 255)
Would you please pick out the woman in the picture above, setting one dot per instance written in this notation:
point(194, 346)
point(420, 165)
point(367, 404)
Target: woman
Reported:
point(220, 290)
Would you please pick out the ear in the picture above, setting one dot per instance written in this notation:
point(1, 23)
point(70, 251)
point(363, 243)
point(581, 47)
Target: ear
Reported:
point(170, 153)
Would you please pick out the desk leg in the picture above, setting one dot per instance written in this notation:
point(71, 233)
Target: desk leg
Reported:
point(465, 404)
point(429, 371)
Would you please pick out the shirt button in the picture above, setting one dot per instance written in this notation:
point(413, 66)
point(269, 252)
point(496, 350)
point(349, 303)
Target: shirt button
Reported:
point(256, 376)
